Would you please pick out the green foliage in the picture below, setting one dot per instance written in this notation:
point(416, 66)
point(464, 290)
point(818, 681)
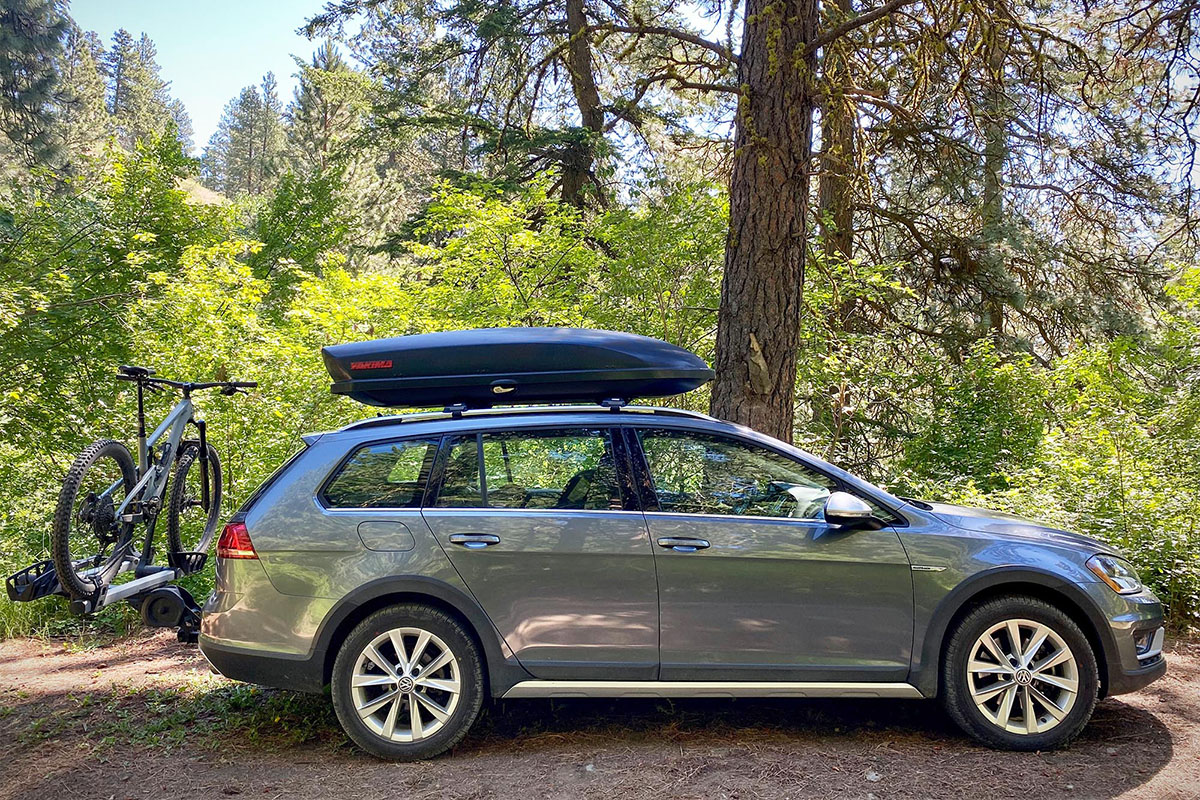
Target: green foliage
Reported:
point(986, 419)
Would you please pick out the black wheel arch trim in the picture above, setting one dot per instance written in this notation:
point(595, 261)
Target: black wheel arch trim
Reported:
point(502, 673)
point(926, 673)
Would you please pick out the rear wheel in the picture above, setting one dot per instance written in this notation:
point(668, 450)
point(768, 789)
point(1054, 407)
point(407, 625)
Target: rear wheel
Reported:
point(191, 519)
point(87, 537)
point(407, 683)
point(1019, 674)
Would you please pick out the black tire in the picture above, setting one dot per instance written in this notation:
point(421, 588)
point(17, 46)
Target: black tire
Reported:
point(956, 691)
point(190, 526)
point(71, 530)
point(470, 681)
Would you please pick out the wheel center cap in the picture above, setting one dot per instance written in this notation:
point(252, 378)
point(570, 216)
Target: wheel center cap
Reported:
point(1023, 677)
point(405, 684)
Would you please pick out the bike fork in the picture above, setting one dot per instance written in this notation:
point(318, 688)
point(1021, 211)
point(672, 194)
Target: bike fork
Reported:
point(204, 479)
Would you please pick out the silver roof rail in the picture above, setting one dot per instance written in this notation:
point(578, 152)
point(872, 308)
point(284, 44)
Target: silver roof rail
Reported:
point(430, 416)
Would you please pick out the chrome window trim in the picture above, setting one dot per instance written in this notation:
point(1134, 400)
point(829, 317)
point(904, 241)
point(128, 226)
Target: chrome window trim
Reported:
point(690, 515)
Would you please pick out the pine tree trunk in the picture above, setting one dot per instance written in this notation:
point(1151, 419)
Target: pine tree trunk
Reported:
point(835, 196)
point(579, 156)
point(993, 282)
point(758, 325)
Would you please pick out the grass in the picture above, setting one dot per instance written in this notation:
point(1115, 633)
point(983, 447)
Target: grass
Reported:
point(198, 712)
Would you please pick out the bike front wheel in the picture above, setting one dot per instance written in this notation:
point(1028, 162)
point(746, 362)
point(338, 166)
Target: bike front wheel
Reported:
point(194, 509)
point(88, 537)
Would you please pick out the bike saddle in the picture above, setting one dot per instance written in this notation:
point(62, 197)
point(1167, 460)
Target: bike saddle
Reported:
point(135, 372)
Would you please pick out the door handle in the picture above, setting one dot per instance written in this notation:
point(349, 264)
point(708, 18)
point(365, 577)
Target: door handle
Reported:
point(682, 544)
point(474, 541)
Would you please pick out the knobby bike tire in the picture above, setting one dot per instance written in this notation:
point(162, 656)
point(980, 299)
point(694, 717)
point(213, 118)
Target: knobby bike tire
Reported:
point(78, 587)
point(188, 459)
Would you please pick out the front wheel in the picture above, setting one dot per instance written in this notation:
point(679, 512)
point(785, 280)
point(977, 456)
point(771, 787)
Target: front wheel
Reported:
point(88, 538)
point(194, 508)
point(1019, 674)
point(407, 683)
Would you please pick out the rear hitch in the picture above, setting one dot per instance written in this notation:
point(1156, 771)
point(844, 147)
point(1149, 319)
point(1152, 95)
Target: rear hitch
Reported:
point(172, 607)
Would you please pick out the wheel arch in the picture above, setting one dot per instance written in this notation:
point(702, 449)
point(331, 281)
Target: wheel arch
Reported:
point(500, 673)
point(1003, 582)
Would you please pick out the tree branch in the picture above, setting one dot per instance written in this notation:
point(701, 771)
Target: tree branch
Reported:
point(866, 18)
point(673, 33)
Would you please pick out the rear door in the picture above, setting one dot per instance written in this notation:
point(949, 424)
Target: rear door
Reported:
point(754, 584)
point(550, 540)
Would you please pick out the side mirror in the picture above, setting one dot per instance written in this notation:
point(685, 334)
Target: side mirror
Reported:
point(843, 508)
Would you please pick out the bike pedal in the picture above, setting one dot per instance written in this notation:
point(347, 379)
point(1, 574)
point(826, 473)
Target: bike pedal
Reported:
point(132, 518)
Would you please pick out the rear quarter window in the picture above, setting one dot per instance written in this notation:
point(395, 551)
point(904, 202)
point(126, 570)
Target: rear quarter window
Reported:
point(269, 482)
point(385, 475)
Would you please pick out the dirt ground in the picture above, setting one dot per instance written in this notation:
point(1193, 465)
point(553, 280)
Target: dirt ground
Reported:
point(143, 718)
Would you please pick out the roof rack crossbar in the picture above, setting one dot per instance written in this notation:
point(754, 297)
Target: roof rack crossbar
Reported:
point(459, 412)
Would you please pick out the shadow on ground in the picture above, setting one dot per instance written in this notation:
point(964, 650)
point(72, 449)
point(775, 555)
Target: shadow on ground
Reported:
point(238, 739)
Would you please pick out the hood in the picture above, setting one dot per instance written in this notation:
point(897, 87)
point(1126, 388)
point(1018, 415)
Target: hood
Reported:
point(998, 523)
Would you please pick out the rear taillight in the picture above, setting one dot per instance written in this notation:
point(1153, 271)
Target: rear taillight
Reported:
point(235, 542)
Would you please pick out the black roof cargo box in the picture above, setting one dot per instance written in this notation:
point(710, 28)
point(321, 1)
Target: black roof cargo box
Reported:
point(505, 366)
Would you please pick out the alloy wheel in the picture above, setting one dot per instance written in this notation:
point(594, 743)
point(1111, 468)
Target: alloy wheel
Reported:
point(1022, 676)
point(406, 684)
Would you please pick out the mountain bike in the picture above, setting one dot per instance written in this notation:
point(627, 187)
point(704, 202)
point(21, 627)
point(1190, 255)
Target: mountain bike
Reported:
point(106, 496)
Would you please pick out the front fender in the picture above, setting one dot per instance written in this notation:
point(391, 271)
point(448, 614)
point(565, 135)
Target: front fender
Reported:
point(927, 658)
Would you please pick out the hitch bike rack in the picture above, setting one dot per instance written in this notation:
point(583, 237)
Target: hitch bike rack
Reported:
point(161, 605)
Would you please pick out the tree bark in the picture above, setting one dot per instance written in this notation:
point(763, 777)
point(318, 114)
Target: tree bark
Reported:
point(758, 325)
point(835, 203)
point(995, 117)
point(579, 156)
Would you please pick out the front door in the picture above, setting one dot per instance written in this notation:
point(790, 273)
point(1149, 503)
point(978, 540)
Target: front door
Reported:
point(753, 584)
point(554, 548)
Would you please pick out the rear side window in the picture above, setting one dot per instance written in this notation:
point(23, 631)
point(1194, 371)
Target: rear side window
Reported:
point(540, 469)
point(390, 475)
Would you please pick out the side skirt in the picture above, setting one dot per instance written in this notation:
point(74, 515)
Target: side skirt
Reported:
point(725, 689)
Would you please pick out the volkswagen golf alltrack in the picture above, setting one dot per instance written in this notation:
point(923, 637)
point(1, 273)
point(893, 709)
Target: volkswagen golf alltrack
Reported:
point(415, 565)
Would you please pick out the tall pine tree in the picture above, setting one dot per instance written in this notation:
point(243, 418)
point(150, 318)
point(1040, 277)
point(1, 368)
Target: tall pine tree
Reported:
point(31, 33)
point(243, 156)
point(138, 97)
point(82, 111)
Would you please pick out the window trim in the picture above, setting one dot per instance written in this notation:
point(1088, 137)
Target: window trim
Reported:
point(622, 463)
point(321, 495)
point(652, 506)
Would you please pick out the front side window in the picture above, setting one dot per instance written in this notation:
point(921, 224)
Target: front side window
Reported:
point(390, 475)
point(698, 473)
point(541, 469)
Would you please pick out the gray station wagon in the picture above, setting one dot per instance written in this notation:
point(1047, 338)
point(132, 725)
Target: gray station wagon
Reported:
point(418, 564)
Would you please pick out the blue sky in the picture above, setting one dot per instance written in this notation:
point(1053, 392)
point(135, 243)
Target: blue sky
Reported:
point(209, 50)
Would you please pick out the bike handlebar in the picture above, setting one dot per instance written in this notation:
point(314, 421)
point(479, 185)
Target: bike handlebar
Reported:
point(227, 387)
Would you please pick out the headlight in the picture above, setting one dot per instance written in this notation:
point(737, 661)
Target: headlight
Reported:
point(1116, 572)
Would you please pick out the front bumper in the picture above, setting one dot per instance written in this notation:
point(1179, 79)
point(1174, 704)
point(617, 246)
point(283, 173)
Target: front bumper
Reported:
point(1133, 651)
point(1125, 681)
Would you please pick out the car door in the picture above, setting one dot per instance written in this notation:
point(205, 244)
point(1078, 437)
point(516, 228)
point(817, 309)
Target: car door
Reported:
point(550, 540)
point(753, 584)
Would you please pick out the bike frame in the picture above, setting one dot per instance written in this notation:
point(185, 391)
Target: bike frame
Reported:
point(152, 479)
